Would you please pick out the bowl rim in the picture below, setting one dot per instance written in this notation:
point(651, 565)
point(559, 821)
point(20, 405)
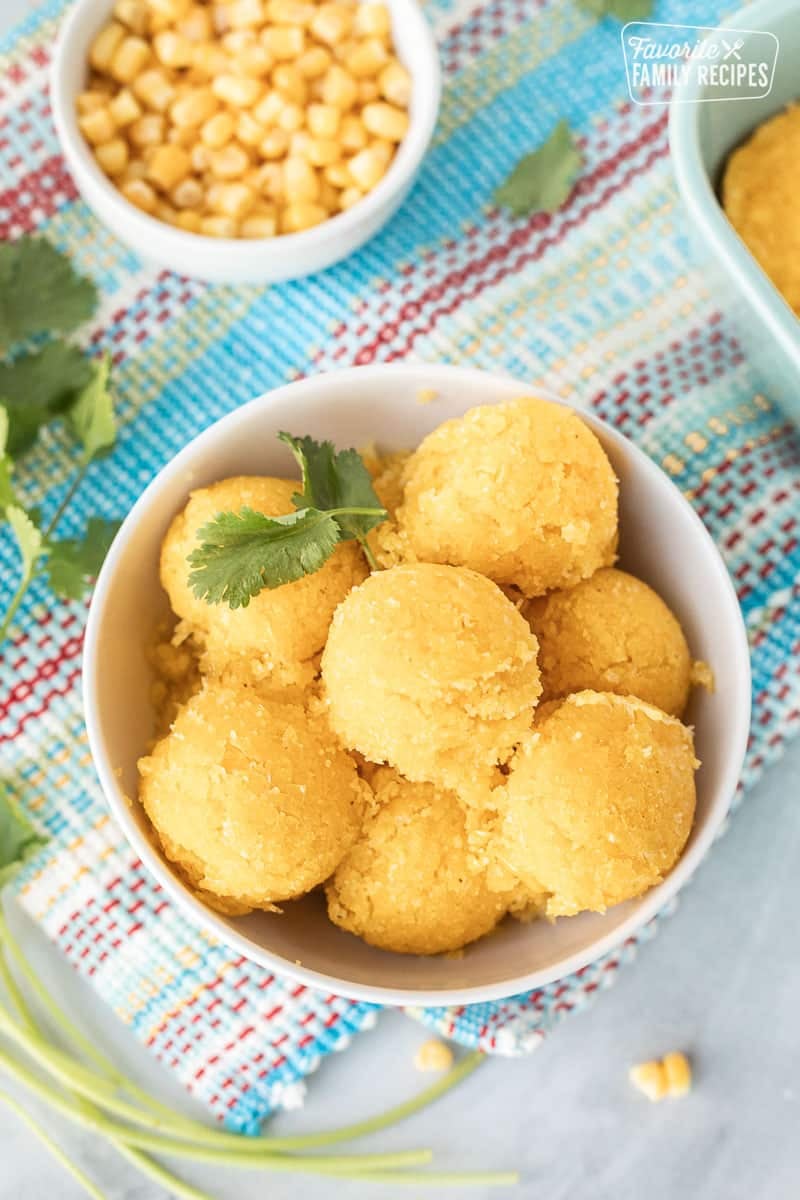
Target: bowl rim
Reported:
point(425, 69)
point(650, 904)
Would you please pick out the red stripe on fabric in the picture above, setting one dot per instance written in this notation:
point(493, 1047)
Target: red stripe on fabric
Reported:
point(42, 708)
point(36, 197)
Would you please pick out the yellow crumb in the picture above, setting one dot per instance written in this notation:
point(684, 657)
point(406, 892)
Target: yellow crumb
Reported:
point(701, 675)
point(433, 1056)
point(426, 395)
point(677, 1073)
point(671, 1076)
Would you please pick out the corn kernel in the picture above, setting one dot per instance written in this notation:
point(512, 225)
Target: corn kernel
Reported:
point(275, 144)
point(98, 126)
point(302, 215)
point(130, 59)
point(136, 169)
point(328, 196)
point(385, 121)
point(368, 167)
point(267, 111)
point(230, 162)
point(194, 108)
point(220, 18)
point(301, 181)
point(342, 49)
point(314, 62)
point(299, 143)
point(368, 58)
point(154, 89)
point(237, 90)
point(92, 101)
point(287, 80)
point(648, 1078)
point(210, 60)
point(217, 131)
point(291, 117)
point(172, 50)
point(258, 227)
point(289, 12)
point(338, 174)
point(245, 14)
point(433, 1055)
point(189, 221)
point(112, 156)
point(372, 20)
point(234, 200)
point(124, 108)
point(254, 61)
point(184, 136)
point(677, 1073)
point(284, 42)
point(394, 82)
point(147, 130)
point(331, 23)
point(323, 120)
point(248, 130)
point(196, 26)
point(352, 134)
point(200, 157)
point(132, 13)
point(156, 22)
point(338, 87)
point(138, 192)
point(187, 194)
point(168, 166)
point(321, 152)
point(219, 227)
point(368, 91)
point(105, 45)
point(268, 180)
point(349, 197)
point(236, 40)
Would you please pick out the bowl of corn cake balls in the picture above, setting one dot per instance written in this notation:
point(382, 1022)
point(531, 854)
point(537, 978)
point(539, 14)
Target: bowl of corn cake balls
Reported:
point(244, 140)
point(436, 687)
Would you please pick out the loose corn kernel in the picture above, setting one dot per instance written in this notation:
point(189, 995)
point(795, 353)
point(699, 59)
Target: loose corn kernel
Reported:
point(323, 120)
point(200, 157)
point(267, 111)
point(368, 58)
point(124, 108)
point(284, 42)
point(98, 126)
point(237, 90)
point(302, 215)
point(338, 174)
point(196, 26)
point(194, 108)
point(189, 221)
point(154, 89)
point(368, 167)
point(328, 196)
point(290, 83)
point(139, 192)
point(217, 131)
point(172, 50)
point(234, 200)
point(132, 13)
point(275, 144)
point(648, 1078)
point(136, 169)
point(170, 10)
point(236, 40)
point(258, 227)
point(248, 131)
point(254, 61)
point(677, 1073)
point(298, 144)
point(219, 227)
point(130, 59)
point(147, 130)
point(349, 197)
point(245, 14)
point(314, 62)
point(268, 180)
point(394, 82)
point(289, 12)
point(230, 162)
point(321, 152)
point(187, 194)
point(168, 166)
point(352, 134)
point(186, 136)
point(105, 45)
point(92, 101)
point(368, 91)
point(331, 23)
point(112, 156)
point(341, 50)
point(156, 22)
point(210, 60)
point(338, 87)
point(301, 181)
point(372, 20)
point(433, 1055)
point(385, 121)
point(291, 117)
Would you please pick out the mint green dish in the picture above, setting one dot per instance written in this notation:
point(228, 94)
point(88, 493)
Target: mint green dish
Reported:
point(702, 135)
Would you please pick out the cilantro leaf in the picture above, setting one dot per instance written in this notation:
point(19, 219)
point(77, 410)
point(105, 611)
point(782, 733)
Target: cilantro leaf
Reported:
point(37, 387)
point(623, 10)
point(39, 290)
point(542, 181)
point(92, 415)
point(71, 562)
point(28, 537)
point(335, 480)
point(242, 553)
point(19, 841)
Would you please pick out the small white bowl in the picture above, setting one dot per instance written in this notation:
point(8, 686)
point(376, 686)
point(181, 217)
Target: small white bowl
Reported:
point(662, 540)
point(244, 260)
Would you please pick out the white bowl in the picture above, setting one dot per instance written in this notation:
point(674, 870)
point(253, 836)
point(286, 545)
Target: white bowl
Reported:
point(244, 260)
point(662, 540)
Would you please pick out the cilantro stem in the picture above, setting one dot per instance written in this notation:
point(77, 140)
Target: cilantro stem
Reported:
point(368, 555)
point(54, 1149)
point(16, 600)
point(66, 498)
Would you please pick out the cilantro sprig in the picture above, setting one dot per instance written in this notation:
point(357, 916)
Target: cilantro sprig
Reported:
point(240, 554)
point(42, 295)
point(542, 180)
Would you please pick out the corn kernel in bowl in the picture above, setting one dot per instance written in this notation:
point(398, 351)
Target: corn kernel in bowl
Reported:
point(245, 118)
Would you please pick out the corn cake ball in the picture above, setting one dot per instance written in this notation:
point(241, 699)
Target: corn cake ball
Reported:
point(611, 633)
point(759, 195)
point(282, 628)
point(386, 541)
point(251, 798)
point(599, 801)
point(432, 670)
point(522, 492)
point(408, 884)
